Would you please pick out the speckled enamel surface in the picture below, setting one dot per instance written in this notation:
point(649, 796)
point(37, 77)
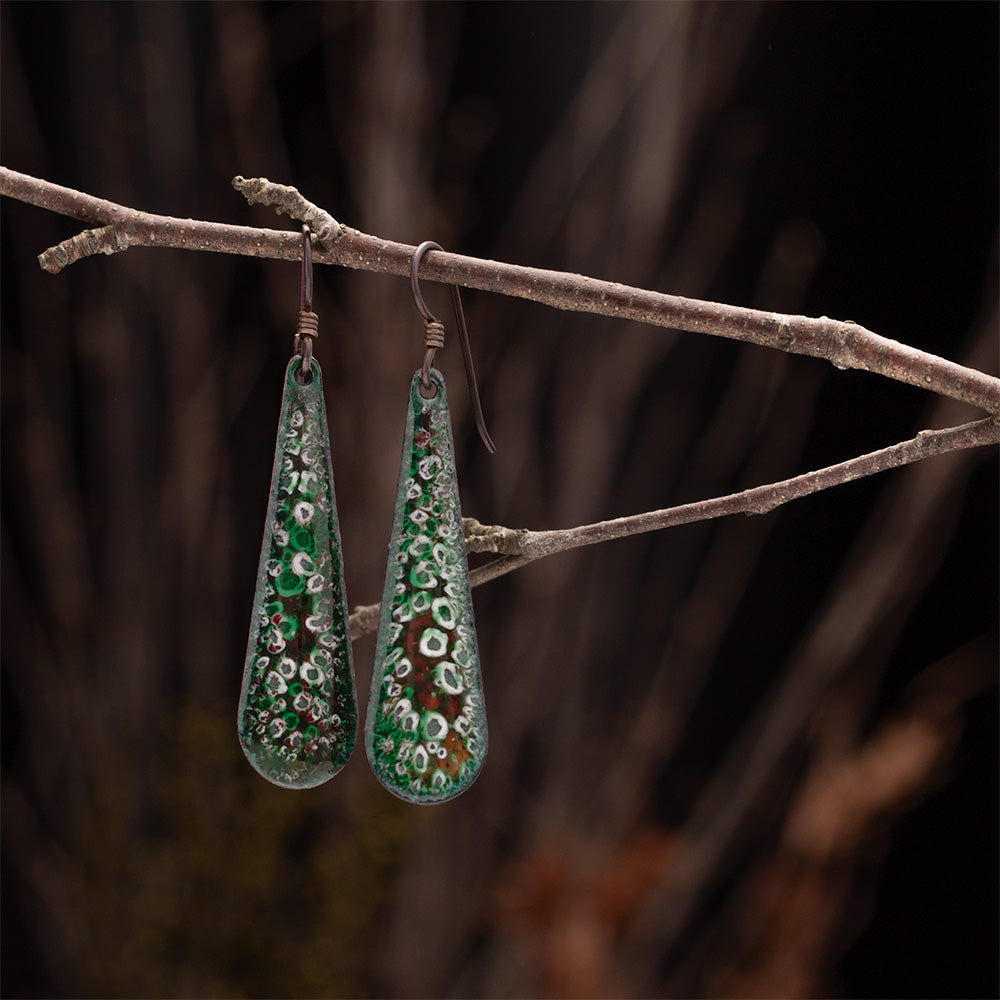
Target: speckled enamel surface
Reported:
point(426, 735)
point(298, 713)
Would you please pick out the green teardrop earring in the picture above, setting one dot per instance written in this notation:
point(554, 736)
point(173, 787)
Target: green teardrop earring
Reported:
point(425, 734)
point(298, 713)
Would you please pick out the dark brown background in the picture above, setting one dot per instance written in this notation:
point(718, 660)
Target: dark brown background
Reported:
point(754, 757)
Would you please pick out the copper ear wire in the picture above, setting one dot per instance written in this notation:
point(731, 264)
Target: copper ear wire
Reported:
point(434, 339)
point(308, 326)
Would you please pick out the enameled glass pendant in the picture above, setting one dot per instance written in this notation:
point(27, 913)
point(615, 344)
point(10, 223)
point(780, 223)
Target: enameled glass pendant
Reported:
point(426, 733)
point(298, 714)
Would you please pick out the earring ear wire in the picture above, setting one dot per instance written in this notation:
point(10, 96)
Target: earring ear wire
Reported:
point(434, 339)
point(308, 326)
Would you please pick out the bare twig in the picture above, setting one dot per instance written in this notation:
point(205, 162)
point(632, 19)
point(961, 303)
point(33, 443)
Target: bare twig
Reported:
point(530, 545)
point(843, 343)
point(518, 547)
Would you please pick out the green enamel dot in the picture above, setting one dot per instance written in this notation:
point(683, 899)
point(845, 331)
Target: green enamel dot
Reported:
point(419, 546)
point(447, 676)
point(311, 674)
point(288, 584)
point(420, 760)
point(302, 564)
point(303, 538)
point(433, 642)
point(421, 575)
point(433, 726)
point(443, 612)
point(402, 611)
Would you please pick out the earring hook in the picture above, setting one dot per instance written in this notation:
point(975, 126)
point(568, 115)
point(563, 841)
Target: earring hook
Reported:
point(434, 338)
point(308, 327)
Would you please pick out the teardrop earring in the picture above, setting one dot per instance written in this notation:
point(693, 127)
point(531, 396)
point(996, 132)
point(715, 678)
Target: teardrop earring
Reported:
point(425, 735)
point(298, 712)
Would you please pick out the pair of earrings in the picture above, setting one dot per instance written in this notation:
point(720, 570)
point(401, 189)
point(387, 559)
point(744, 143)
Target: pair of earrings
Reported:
point(425, 734)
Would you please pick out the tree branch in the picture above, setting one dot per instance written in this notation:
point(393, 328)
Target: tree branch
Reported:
point(843, 343)
point(530, 545)
point(519, 547)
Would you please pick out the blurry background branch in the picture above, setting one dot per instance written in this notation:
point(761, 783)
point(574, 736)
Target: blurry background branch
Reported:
point(749, 756)
point(844, 344)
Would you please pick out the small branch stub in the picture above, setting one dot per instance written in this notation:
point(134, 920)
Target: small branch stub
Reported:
point(287, 199)
point(107, 240)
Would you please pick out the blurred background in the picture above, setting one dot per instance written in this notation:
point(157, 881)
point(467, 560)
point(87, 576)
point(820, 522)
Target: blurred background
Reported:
point(754, 757)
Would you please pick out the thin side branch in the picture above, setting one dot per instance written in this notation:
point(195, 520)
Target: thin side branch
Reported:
point(843, 343)
point(519, 547)
point(529, 545)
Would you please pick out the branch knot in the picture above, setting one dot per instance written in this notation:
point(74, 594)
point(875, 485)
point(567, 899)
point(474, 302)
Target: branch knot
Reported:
point(287, 199)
